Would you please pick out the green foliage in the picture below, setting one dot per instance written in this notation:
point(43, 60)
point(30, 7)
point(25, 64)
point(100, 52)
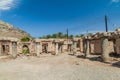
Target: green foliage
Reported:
point(89, 34)
point(40, 37)
point(71, 36)
point(25, 39)
point(77, 36)
point(60, 35)
point(54, 36)
point(48, 36)
point(25, 50)
point(65, 36)
point(82, 35)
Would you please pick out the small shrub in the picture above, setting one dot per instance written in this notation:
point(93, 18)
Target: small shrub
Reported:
point(25, 39)
point(25, 50)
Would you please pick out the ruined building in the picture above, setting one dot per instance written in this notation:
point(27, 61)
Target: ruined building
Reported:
point(102, 44)
point(10, 43)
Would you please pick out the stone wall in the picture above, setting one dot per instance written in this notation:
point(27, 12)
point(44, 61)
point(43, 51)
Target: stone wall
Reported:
point(8, 46)
point(118, 46)
point(111, 46)
point(30, 45)
point(95, 47)
point(81, 45)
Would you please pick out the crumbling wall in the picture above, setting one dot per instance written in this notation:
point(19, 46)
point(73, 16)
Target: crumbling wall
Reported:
point(95, 47)
point(111, 46)
point(31, 46)
point(118, 46)
point(81, 45)
point(65, 48)
point(50, 46)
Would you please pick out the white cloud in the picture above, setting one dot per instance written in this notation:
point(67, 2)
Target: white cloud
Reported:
point(7, 4)
point(116, 1)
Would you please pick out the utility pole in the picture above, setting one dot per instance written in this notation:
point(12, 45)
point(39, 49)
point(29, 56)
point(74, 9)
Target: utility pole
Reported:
point(106, 24)
point(67, 34)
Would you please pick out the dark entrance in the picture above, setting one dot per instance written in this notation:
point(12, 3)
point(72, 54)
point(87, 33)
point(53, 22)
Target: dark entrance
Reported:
point(5, 49)
point(69, 47)
point(45, 48)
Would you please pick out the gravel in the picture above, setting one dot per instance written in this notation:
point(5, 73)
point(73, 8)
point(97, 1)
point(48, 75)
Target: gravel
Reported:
point(61, 67)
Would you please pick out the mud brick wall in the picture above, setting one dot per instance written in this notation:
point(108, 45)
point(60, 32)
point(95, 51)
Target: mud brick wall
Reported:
point(95, 47)
point(118, 46)
point(65, 47)
point(49, 46)
point(111, 46)
point(81, 45)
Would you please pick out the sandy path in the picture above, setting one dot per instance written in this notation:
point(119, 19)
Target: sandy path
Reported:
point(62, 67)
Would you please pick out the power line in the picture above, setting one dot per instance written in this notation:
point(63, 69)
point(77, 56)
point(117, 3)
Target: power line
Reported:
point(112, 23)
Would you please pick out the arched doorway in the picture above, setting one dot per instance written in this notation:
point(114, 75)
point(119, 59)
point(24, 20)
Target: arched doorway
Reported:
point(25, 49)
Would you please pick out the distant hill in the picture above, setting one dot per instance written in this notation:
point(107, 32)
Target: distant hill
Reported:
point(7, 30)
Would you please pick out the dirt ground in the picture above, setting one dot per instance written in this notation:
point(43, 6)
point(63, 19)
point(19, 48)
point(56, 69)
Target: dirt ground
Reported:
point(60, 67)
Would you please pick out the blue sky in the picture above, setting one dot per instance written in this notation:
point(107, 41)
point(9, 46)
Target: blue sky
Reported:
point(42, 17)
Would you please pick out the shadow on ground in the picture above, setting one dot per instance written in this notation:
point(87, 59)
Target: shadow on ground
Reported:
point(71, 54)
point(81, 56)
point(99, 59)
point(78, 56)
point(96, 58)
point(116, 64)
point(116, 55)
